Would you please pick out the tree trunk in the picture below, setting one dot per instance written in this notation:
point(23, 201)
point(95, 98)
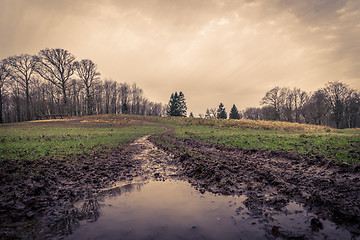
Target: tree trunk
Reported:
point(28, 117)
point(65, 105)
point(89, 102)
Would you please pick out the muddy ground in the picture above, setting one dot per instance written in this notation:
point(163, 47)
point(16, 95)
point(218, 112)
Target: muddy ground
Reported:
point(271, 179)
point(38, 196)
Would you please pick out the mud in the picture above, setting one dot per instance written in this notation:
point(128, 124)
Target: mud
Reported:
point(272, 179)
point(37, 194)
point(39, 197)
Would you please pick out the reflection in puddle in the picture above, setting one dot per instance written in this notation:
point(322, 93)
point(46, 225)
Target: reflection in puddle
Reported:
point(175, 210)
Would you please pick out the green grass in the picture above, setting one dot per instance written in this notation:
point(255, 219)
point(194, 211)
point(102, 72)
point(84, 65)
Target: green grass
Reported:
point(31, 140)
point(340, 145)
point(99, 132)
point(304, 139)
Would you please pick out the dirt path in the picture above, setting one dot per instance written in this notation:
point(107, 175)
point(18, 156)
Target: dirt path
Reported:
point(155, 163)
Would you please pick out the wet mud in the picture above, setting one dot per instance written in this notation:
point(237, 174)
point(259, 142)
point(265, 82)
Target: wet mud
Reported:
point(271, 180)
point(47, 199)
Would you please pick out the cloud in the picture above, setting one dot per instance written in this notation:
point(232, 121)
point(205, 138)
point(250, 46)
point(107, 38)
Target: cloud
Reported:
point(228, 51)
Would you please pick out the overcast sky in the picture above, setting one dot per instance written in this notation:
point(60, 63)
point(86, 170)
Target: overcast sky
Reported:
point(229, 51)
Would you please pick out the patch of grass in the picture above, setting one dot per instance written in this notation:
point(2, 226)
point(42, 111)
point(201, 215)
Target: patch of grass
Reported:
point(239, 124)
point(304, 139)
point(340, 145)
point(56, 139)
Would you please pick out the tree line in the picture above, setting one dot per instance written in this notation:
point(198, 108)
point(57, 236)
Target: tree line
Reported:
point(53, 82)
point(335, 105)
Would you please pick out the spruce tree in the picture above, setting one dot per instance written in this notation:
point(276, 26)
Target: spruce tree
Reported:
point(234, 113)
point(182, 105)
point(221, 112)
point(177, 105)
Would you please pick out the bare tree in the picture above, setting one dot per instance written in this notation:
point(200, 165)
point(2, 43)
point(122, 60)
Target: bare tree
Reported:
point(22, 69)
point(352, 110)
point(57, 66)
point(300, 98)
point(252, 113)
point(4, 76)
point(87, 72)
point(136, 98)
point(272, 98)
point(207, 114)
point(285, 104)
point(124, 92)
point(107, 95)
point(154, 109)
point(337, 94)
point(316, 109)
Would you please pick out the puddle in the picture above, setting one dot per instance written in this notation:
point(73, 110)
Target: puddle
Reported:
point(173, 209)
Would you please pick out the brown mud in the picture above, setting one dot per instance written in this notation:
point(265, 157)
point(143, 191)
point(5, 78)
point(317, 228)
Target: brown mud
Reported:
point(39, 196)
point(271, 180)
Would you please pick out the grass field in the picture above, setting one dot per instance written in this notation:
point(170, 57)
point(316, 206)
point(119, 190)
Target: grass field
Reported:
point(60, 138)
point(88, 134)
point(340, 145)
point(304, 139)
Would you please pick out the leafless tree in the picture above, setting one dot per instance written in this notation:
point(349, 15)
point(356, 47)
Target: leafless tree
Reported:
point(136, 98)
point(272, 98)
point(252, 113)
point(4, 77)
point(124, 92)
point(285, 104)
point(337, 94)
point(352, 111)
point(108, 87)
point(207, 114)
point(316, 109)
point(87, 72)
point(22, 70)
point(57, 66)
point(154, 109)
point(300, 99)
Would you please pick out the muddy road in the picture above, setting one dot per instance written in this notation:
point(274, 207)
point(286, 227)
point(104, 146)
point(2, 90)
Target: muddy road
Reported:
point(54, 201)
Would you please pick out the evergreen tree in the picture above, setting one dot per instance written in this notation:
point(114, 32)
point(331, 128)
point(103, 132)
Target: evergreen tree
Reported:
point(182, 105)
point(124, 108)
point(234, 113)
point(191, 115)
point(221, 112)
point(177, 105)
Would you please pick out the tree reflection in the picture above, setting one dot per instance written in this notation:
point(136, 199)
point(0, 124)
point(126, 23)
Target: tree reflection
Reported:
point(87, 210)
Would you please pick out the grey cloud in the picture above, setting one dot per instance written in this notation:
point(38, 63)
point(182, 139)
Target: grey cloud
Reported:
point(220, 50)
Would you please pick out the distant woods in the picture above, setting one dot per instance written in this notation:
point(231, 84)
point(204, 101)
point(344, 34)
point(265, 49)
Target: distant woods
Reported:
point(335, 105)
point(54, 83)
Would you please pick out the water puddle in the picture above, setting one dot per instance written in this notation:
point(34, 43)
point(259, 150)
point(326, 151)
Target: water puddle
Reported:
point(174, 209)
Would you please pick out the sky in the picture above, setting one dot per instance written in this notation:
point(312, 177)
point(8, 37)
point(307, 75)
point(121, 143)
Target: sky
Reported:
point(229, 51)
